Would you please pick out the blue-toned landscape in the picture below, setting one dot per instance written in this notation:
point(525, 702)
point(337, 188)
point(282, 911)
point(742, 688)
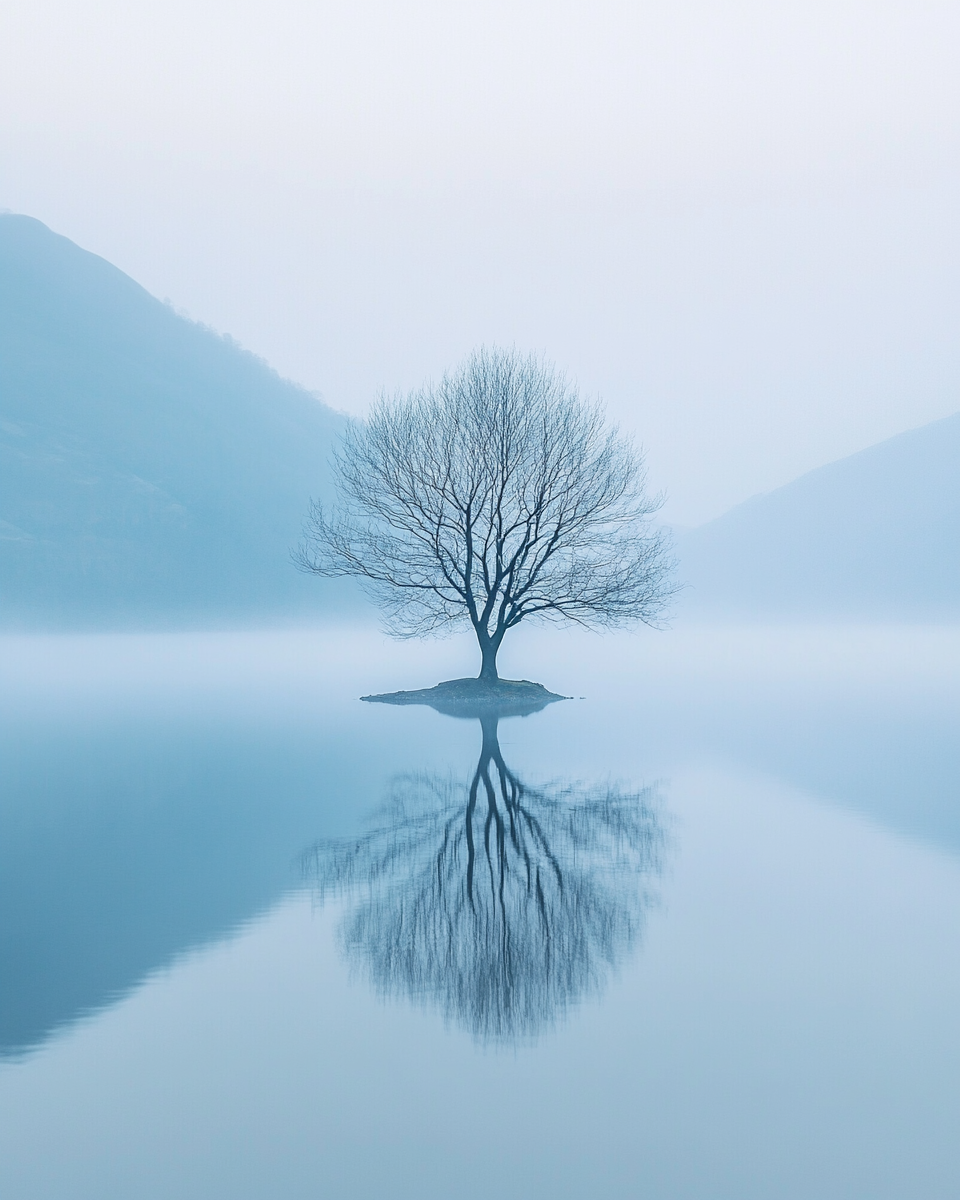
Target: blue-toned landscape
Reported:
point(479, 601)
point(229, 891)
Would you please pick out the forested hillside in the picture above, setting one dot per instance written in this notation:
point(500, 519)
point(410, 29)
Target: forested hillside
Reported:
point(152, 473)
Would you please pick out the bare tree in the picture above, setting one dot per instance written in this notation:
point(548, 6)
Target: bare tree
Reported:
point(496, 496)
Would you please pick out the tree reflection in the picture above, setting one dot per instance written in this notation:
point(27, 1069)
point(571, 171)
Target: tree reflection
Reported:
point(501, 903)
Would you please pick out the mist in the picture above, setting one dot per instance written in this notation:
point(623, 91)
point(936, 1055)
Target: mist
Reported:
point(669, 909)
point(733, 223)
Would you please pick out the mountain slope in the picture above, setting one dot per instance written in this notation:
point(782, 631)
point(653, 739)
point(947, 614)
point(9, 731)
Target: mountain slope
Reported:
point(873, 536)
point(151, 472)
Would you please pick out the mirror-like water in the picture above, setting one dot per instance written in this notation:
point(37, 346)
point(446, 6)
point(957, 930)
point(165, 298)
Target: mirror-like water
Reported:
point(693, 935)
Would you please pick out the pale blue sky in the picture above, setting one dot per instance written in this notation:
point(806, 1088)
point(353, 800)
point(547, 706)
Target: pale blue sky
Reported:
point(735, 221)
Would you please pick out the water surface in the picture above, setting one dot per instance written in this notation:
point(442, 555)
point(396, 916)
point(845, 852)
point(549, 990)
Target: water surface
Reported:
point(696, 936)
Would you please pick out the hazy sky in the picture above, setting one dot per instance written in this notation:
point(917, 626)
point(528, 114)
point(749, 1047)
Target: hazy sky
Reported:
point(736, 222)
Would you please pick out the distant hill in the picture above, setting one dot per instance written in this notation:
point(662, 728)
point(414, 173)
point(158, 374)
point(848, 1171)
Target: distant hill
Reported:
point(873, 536)
point(152, 473)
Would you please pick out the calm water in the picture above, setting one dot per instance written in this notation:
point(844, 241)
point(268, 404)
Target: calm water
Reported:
point(693, 934)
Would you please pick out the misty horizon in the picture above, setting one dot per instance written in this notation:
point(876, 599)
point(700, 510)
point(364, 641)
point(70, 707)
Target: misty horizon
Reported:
point(479, 600)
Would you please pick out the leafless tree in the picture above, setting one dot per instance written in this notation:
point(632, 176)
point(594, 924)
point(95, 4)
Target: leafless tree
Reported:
point(502, 904)
point(495, 496)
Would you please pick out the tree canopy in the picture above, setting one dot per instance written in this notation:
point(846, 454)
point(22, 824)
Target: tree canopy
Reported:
point(496, 496)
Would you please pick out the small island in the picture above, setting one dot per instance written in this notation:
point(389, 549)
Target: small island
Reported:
point(471, 697)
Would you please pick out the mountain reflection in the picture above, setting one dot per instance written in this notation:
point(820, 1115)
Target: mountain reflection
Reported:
point(501, 903)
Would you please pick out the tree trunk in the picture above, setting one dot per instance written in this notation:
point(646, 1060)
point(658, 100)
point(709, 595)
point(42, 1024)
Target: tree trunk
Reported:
point(488, 657)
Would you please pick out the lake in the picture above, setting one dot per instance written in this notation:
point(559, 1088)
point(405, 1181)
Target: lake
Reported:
point(690, 933)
